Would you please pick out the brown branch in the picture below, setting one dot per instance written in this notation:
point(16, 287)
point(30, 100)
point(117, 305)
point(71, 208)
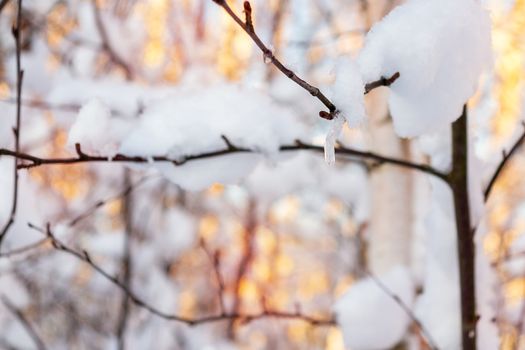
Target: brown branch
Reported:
point(268, 56)
point(381, 82)
point(506, 157)
point(458, 181)
point(89, 211)
point(215, 259)
point(245, 318)
point(520, 325)
point(245, 261)
point(32, 161)
point(106, 46)
point(17, 129)
point(2, 4)
point(25, 323)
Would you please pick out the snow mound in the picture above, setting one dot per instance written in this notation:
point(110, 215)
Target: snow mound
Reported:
point(96, 130)
point(440, 48)
point(369, 317)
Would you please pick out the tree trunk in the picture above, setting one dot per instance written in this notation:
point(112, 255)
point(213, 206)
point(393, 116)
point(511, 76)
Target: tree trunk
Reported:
point(390, 232)
point(465, 232)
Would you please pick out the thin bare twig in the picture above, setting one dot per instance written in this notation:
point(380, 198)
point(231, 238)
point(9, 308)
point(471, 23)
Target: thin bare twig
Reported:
point(127, 217)
point(23, 249)
point(43, 105)
point(248, 254)
point(25, 323)
point(215, 259)
point(106, 46)
point(89, 211)
point(2, 4)
point(381, 82)
point(268, 56)
point(506, 157)
point(16, 130)
point(520, 325)
point(245, 318)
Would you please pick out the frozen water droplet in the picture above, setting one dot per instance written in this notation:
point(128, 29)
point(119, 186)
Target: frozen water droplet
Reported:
point(331, 138)
point(268, 57)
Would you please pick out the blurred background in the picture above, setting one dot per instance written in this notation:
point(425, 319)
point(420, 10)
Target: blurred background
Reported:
point(294, 235)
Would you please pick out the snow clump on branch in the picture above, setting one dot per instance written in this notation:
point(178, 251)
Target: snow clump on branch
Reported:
point(191, 122)
point(439, 47)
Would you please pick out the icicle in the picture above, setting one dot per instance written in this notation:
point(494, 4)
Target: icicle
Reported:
point(331, 138)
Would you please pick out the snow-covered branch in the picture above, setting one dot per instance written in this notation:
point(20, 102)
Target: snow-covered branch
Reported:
point(32, 161)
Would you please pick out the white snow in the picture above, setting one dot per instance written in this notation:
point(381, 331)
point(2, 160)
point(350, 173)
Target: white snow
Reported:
point(95, 130)
point(440, 48)
point(438, 308)
point(348, 96)
point(200, 174)
point(190, 123)
point(370, 318)
point(348, 92)
point(178, 234)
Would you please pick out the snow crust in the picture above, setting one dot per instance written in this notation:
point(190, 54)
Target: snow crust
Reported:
point(370, 318)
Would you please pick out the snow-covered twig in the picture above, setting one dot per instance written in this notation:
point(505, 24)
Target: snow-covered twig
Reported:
point(503, 163)
point(16, 129)
point(25, 323)
point(32, 161)
point(223, 316)
point(23, 249)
